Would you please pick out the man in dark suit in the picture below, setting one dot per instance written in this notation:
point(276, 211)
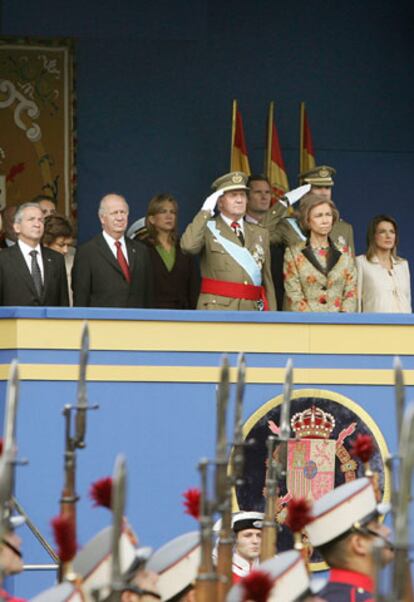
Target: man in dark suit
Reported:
point(111, 270)
point(31, 274)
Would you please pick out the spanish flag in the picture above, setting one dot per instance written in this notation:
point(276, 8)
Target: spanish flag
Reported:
point(306, 152)
point(275, 166)
point(239, 161)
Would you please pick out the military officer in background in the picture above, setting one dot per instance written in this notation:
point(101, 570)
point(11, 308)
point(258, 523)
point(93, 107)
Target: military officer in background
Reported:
point(287, 231)
point(235, 255)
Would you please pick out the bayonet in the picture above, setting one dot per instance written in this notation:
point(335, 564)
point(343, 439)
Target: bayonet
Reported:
point(221, 441)
point(402, 529)
point(287, 395)
point(269, 529)
point(82, 395)
point(118, 510)
point(206, 579)
point(238, 443)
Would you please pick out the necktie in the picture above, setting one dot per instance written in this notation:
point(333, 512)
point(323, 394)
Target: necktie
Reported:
point(36, 274)
point(122, 261)
point(238, 232)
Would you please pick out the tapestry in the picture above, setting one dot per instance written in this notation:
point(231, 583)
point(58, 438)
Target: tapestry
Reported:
point(37, 122)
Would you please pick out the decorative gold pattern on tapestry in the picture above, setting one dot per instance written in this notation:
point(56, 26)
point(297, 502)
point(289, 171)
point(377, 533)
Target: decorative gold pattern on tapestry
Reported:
point(36, 122)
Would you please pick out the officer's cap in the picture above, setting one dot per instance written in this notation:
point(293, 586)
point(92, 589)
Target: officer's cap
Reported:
point(349, 505)
point(318, 176)
point(288, 573)
point(176, 564)
point(235, 180)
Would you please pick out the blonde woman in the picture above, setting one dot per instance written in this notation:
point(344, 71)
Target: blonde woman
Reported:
point(176, 281)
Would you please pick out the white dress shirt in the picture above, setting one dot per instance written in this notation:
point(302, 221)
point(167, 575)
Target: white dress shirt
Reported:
point(381, 290)
point(26, 250)
point(111, 242)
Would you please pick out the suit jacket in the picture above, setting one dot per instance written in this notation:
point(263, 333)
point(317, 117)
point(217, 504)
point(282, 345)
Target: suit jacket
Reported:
point(179, 288)
point(217, 264)
point(16, 282)
point(381, 290)
point(98, 281)
point(308, 287)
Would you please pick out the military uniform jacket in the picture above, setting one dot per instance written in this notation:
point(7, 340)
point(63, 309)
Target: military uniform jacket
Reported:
point(217, 264)
point(308, 287)
point(347, 586)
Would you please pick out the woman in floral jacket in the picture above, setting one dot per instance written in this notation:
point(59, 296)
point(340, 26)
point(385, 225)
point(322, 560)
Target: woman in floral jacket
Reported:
point(318, 275)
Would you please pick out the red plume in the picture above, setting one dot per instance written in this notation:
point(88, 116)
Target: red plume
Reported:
point(299, 514)
point(65, 537)
point(363, 448)
point(257, 586)
point(192, 499)
point(1, 446)
point(101, 492)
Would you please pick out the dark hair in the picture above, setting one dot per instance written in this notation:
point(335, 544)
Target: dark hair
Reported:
point(309, 202)
point(372, 229)
point(257, 178)
point(56, 226)
point(44, 197)
point(334, 552)
point(154, 207)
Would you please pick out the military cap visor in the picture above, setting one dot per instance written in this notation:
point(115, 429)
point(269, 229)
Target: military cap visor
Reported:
point(319, 176)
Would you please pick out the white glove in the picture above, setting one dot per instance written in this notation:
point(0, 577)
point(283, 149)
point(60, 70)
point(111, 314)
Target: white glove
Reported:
point(211, 201)
point(293, 196)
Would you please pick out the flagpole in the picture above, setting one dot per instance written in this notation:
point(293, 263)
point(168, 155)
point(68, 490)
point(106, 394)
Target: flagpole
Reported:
point(268, 165)
point(233, 132)
point(302, 135)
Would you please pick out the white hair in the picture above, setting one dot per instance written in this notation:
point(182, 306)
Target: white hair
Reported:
point(102, 208)
point(18, 216)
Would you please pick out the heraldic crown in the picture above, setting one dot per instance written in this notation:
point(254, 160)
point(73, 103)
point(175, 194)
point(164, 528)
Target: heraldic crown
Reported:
point(313, 423)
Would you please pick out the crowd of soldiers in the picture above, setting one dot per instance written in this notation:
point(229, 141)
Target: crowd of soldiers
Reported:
point(236, 559)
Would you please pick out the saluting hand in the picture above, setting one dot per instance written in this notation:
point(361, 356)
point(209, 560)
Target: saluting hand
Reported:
point(211, 201)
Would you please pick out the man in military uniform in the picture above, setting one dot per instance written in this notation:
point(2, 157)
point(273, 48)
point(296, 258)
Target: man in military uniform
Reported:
point(287, 231)
point(259, 198)
point(235, 255)
point(346, 524)
point(247, 529)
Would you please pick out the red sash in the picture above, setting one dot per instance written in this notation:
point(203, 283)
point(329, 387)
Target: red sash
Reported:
point(235, 290)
